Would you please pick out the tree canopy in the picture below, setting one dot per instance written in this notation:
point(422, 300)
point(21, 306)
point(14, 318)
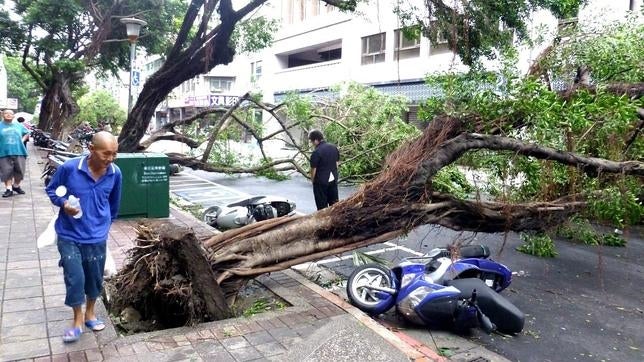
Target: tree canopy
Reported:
point(479, 29)
point(60, 41)
point(100, 108)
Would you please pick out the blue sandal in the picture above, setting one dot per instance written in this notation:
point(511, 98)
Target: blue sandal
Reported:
point(95, 325)
point(72, 334)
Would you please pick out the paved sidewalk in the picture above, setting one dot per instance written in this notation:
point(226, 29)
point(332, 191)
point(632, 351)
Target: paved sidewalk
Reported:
point(316, 327)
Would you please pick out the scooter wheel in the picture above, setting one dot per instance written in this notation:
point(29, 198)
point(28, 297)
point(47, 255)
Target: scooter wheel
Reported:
point(210, 215)
point(369, 300)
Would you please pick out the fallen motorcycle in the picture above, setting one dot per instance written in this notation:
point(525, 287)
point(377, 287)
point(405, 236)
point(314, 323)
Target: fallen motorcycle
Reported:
point(437, 291)
point(246, 211)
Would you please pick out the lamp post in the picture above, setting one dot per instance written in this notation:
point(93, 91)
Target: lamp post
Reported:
point(133, 28)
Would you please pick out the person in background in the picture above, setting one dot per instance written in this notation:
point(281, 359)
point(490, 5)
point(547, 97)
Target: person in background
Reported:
point(13, 153)
point(21, 120)
point(96, 181)
point(324, 170)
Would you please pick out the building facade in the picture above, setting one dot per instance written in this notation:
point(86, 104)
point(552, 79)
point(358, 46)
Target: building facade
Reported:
point(318, 46)
point(3, 83)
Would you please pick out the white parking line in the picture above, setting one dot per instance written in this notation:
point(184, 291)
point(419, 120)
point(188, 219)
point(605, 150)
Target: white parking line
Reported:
point(218, 185)
point(187, 183)
point(194, 188)
point(404, 248)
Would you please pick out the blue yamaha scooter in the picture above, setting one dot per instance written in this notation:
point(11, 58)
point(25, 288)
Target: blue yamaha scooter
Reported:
point(439, 289)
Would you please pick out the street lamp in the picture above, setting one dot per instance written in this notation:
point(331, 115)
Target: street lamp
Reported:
point(133, 28)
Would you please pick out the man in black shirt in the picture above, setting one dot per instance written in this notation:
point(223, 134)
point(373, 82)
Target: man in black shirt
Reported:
point(324, 170)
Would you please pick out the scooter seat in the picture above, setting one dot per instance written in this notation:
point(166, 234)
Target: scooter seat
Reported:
point(474, 251)
point(505, 315)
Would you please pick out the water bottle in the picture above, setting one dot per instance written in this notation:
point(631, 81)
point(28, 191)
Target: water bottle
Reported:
point(75, 203)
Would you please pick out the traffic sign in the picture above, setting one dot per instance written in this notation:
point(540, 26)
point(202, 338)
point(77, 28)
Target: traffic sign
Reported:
point(9, 103)
point(136, 78)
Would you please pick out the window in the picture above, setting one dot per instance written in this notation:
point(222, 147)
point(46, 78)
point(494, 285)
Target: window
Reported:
point(404, 46)
point(296, 11)
point(373, 48)
point(441, 45)
point(220, 84)
point(188, 86)
point(255, 71)
point(441, 36)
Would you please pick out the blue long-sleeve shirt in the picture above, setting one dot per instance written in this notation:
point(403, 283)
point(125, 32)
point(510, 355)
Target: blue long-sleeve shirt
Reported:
point(99, 200)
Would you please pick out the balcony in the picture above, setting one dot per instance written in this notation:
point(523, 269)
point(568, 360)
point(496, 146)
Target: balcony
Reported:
point(316, 75)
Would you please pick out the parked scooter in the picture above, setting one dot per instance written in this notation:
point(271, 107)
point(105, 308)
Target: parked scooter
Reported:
point(54, 160)
point(435, 290)
point(246, 211)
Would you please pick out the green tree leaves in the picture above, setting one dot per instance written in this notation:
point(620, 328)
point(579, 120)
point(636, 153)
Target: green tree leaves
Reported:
point(478, 29)
point(364, 123)
point(100, 108)
point(591, 119)
point(21, 85)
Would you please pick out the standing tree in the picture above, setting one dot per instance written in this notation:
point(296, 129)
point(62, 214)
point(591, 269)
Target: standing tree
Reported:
point(61, 41)
point(100, 108)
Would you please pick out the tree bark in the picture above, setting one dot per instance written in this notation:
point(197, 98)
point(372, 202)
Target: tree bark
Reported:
point(186, 60)
point(58, 106)
point(397, 201)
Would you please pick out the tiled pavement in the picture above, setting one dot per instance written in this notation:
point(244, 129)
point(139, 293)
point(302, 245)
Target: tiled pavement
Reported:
point(33, 315)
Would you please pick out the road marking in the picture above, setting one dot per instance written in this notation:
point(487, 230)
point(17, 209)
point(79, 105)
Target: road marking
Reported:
point(336, 259)
point(181, 188)
point(404, 248)
point(218, 185)
point(221, 195)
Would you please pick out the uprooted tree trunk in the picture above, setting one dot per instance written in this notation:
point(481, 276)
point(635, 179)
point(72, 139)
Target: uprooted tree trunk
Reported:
point(168, 280)
point(398, 200)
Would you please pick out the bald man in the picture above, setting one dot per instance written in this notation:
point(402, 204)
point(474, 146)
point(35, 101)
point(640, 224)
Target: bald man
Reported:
point(96, 181)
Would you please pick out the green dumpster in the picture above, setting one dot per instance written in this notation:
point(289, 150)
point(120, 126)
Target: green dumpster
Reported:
point(146, 186)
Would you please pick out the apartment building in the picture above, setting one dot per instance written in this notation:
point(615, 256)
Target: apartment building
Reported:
point(319, 46)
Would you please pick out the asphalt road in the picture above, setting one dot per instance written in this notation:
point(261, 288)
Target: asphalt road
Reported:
point(587, 304)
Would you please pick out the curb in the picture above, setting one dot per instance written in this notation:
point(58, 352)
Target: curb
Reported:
point(412, 348)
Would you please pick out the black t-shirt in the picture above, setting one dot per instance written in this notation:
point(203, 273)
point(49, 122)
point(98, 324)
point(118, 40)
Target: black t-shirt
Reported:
point(324, 159)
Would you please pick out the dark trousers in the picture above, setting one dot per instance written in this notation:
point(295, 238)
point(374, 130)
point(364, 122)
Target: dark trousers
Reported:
point(325, 195)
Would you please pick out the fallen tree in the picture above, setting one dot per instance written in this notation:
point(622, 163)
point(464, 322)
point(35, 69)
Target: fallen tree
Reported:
point(576, 150)
point(398, 200)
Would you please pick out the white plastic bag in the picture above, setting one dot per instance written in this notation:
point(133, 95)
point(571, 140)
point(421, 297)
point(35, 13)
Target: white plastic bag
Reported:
point(110, 265)
point(48, 237)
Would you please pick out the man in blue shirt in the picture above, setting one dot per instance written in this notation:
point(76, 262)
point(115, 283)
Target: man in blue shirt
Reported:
point(324, 170)
point(13, 153)
point(96, 181)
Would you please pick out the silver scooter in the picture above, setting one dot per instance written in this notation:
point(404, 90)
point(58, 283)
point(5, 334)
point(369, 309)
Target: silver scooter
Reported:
point(247, 211)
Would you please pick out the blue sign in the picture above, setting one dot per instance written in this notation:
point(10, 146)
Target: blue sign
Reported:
point(136, 78)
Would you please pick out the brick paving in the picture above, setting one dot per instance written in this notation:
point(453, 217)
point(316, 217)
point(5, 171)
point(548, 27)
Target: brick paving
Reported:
point(33, 315)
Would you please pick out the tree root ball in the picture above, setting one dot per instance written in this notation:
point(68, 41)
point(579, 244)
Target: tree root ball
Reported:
point(167, 279)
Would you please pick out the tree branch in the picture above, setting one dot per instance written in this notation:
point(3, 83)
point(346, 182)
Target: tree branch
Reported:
point(213, 134)
point(171, 137)
point(25, 54)
point(453, 149)
point(194, 163)
point(636, 130)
